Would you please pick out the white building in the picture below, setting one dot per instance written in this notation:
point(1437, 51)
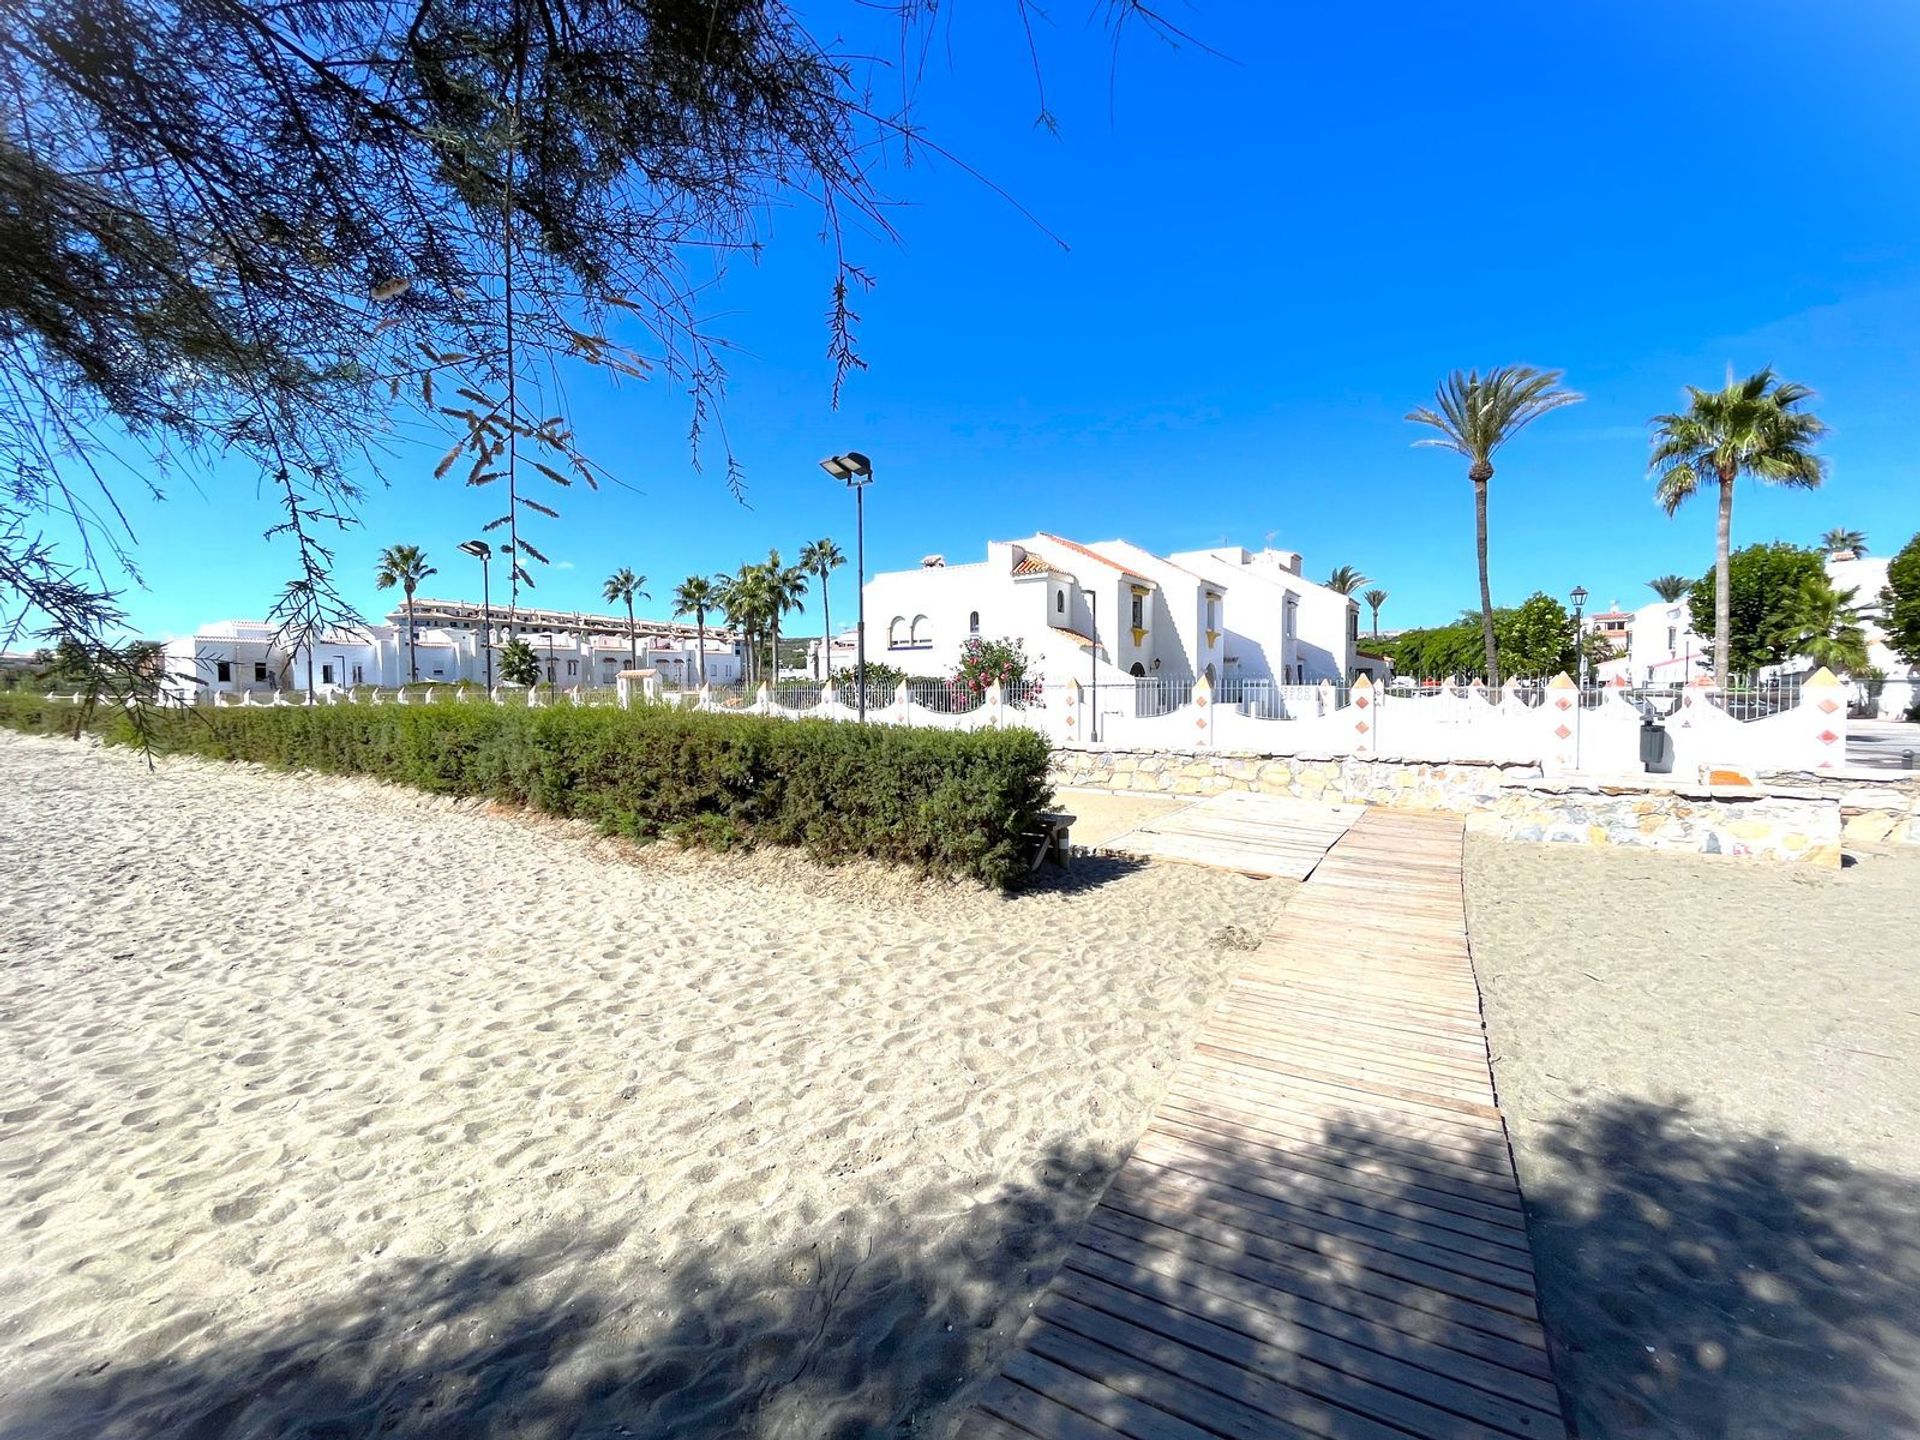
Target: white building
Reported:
point(1656, 645)
point(1115, 612)
point(1866, 576)
point(1280, 626)
point(450, 644)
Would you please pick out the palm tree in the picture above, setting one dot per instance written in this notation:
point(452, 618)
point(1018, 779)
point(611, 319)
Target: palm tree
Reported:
point(1752, 427)
point(1346, 580)
point(1822, 622)
point(1669, 587)
point(694, 596)
point(743, 595)
point(1837, 540)
point(623, 584)
point(405, 566)
point(1375, 599)
point(1475, 416)
point(822, 558)
point(785, 586)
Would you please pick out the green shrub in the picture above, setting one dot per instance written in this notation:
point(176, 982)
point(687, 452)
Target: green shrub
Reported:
point(944, 802)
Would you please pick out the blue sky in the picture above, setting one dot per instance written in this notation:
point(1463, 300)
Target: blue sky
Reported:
point(1268, 260)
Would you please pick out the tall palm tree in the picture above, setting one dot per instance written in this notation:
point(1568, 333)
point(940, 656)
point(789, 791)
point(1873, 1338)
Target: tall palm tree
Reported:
point(743, 595)
point(623, 584)
point(1752, 427)
point(1821, 621)
point(1669, 587)
point(405, 566)
point(1476, 414)
point(1346, 580)
point(694, 596)
point(822, 558)
point(785, 585)
point(1375, 599)
point(1837, 540)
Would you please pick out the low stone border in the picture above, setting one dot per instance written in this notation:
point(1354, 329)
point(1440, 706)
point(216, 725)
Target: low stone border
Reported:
point(1801, 823)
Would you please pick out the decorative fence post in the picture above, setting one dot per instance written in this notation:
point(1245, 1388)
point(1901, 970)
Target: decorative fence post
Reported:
point(1366, 716)
point(1823, 709)
point(1071, 714)
point(994, 705)
point(1563, 715)
point(763, 699)
point(703, 697)
point(1203, 714)
point(903, 704)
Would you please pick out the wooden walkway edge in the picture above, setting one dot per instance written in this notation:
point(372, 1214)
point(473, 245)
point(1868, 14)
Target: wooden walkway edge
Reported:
point(1319, 1236)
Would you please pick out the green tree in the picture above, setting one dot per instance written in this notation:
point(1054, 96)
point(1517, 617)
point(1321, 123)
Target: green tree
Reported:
point(1475, 416)
point(1346, 580)
point(822, 558)
point(694, 596)
point(1375, 599)
point(1669, 587)
point(1761, 577)
point(1838, 541)
point(405, 566)
point(1539, 638)
point(1821, 623)
point(1753, 427)
point(1900, 603)
point(518, 664)
point(623, 585)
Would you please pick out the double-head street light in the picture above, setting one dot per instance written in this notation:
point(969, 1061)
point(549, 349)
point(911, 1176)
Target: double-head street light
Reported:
point(856, 471)
point(483, 552)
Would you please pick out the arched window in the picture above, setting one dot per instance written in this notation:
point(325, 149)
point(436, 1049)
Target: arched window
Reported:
point(1209, 675)
point(895, 639)
point(973, 623)
point(922, 633)
point(1059, 602)
point(1137, 670)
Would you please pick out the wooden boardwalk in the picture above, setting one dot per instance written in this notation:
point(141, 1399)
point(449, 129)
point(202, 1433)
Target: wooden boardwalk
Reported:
point(1320, 1236)
point(1265, 835)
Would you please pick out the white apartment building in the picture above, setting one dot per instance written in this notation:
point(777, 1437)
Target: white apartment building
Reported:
point(1116, 612)
point(1655, 646)
point(450, 643)
point(1280, 626)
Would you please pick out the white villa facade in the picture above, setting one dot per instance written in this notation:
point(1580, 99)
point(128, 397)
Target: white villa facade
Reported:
point(1115, 612)
point(1280, 626)
point(233, 657)
point(1657, 646)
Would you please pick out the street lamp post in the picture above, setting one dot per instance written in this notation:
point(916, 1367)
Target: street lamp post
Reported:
point(483, 552)
point(856, 470)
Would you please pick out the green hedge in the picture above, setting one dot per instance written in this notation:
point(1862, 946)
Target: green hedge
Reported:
point(944, 802)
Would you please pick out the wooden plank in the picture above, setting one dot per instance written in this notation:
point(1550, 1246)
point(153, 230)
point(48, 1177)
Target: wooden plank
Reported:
point(1319, 1236)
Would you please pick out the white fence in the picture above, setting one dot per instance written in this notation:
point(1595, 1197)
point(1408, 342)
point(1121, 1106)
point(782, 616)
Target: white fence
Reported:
point(1555, 726)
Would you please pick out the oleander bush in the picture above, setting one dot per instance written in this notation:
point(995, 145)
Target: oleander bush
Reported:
point(944, 802)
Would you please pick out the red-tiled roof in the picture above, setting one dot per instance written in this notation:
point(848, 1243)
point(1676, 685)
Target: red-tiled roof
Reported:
point(1093, 555)
point(1032, 565)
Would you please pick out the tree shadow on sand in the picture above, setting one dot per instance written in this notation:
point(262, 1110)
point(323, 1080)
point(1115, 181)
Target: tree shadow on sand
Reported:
point(1693, 1286)
point(1701, 1284)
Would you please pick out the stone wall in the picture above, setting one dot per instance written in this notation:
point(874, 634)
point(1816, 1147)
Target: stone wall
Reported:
point(1876, 806)
point(1800, 823)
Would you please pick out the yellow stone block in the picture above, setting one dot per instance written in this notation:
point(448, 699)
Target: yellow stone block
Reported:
point(1751, 830)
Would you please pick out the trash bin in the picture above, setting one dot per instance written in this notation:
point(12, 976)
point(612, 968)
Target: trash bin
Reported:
point(1656, 747)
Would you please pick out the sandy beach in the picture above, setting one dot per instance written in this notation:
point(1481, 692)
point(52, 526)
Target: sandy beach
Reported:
point(1711, 1075)
point(333, 1110)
